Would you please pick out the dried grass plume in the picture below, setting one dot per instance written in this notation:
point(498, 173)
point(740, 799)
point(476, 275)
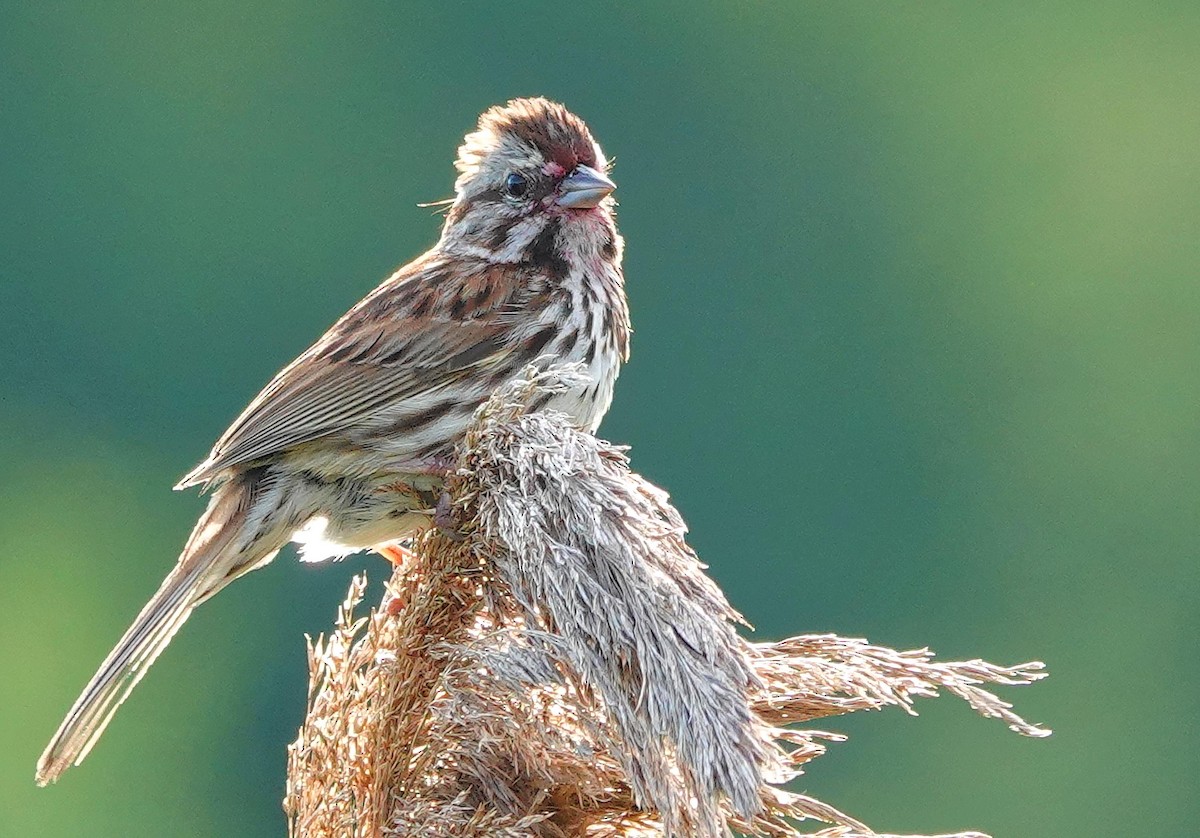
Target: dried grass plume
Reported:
point(564, 667)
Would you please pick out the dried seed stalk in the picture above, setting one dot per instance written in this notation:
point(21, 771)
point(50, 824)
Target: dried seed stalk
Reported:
point(566, 668)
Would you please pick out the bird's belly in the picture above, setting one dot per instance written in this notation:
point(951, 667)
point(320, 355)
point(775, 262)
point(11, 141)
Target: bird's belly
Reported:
point(585, 405)
point(353, 515)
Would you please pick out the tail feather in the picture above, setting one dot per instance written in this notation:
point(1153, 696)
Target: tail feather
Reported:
point(219, 550)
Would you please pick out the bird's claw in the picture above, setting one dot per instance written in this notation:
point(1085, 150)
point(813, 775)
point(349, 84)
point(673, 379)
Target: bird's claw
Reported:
point(445, 520)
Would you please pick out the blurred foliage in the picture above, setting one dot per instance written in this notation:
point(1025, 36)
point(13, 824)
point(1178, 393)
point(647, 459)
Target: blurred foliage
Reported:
point(916, 299)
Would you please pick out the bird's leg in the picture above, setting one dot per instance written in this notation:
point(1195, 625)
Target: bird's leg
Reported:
point(395, 553)
point(393, 603)
point(400, 557)
point(439, 468)
point(445, 519)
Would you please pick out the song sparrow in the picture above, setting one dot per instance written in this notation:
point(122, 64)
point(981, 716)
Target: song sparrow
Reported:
point(355, 433)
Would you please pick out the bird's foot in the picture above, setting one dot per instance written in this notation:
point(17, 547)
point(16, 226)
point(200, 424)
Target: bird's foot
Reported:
point(397, 554)
point(445, 519)
point(401, 557)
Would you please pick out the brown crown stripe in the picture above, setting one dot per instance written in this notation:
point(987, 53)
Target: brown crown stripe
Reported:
point(549, 127)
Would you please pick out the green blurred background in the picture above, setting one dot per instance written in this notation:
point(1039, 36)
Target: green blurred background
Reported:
point(916, 307)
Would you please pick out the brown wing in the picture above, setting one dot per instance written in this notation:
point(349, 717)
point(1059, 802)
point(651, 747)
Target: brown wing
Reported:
point(419, 331)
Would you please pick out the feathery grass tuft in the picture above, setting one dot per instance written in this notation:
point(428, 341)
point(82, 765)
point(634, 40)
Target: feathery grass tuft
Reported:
point(564, 667)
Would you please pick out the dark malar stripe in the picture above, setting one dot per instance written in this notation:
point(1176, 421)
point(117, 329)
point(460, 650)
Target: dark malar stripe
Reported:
point(544, 255)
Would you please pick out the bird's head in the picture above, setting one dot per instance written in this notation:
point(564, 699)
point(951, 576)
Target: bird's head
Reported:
point(533, 184)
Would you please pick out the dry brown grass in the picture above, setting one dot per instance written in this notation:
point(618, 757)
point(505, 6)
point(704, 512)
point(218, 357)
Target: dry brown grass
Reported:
point(566, 668)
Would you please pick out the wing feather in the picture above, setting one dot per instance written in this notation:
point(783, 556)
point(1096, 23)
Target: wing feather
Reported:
point(378, 355)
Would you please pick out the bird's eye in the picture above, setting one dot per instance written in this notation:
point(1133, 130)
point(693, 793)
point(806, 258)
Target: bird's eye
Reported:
point(515, 185)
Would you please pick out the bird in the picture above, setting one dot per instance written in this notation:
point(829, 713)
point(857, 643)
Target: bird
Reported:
point(352, 440)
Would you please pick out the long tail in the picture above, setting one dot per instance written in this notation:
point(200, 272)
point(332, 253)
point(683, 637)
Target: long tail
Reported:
point(228, 541)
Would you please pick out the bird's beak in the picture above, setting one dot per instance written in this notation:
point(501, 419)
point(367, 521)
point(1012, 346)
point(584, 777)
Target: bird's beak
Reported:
point(584, 188)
